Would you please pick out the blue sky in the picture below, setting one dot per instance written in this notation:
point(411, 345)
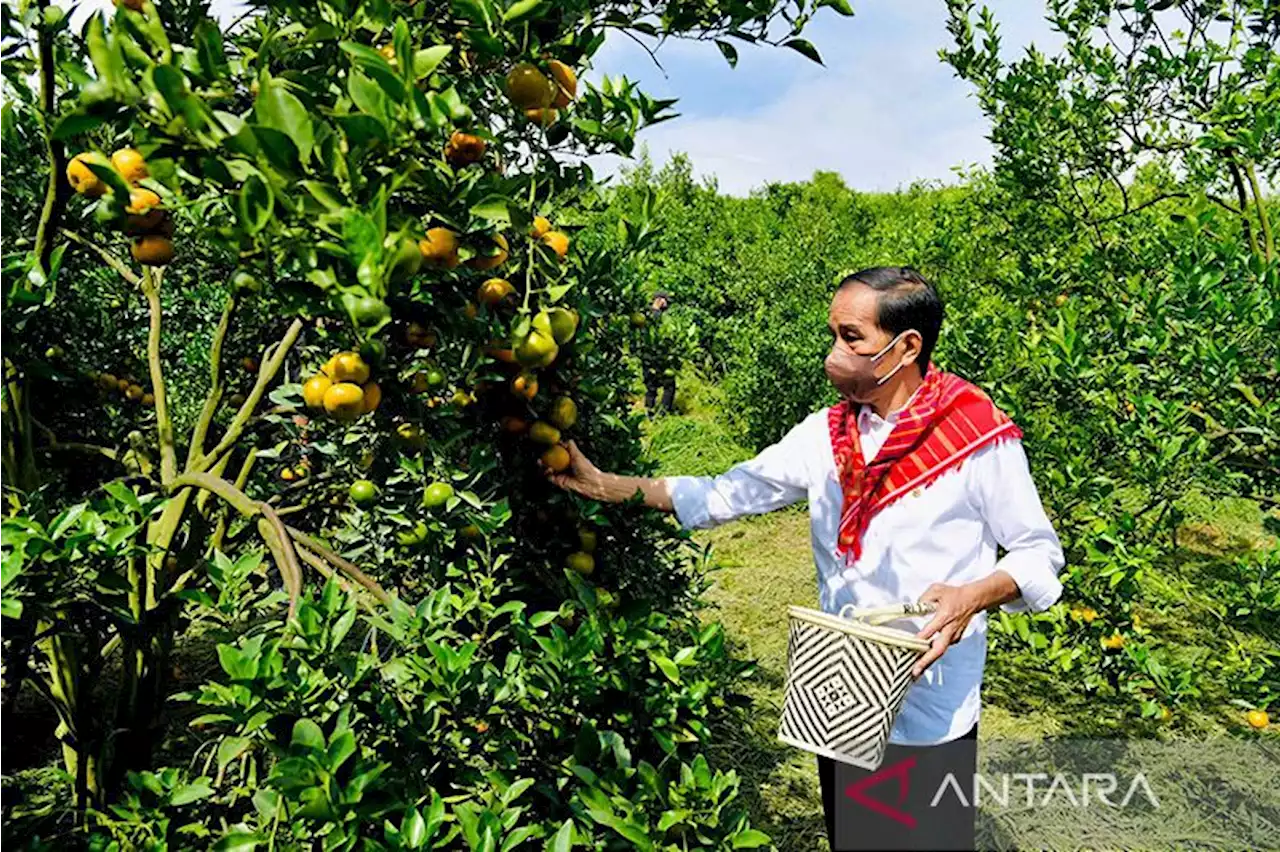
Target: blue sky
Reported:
point(883, 111)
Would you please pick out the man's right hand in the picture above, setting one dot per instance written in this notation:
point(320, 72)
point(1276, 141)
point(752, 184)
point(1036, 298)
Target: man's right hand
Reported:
point(581, 477)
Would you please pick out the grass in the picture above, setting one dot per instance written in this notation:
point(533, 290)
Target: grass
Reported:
point(763, 564)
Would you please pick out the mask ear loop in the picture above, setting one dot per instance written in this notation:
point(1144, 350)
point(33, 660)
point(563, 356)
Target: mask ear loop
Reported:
point(880, 354)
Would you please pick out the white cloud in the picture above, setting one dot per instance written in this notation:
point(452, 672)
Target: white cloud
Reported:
point(883, 113)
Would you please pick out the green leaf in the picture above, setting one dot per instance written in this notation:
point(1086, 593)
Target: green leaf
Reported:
point(729, 52)
point(256, 204)
point(209, 53)
point(189, 793)
point(750, 839)
point(493, 208)
point(564, 838)
point(520, 9)
point(841, 7)
point(426, 61)
point(804, 48)
point(279, 110)
point(75, 124)
point(231, 748)
point(307, 733)
point(413, 829)
point(666, 666)
point(367, 95)
point(239, 841)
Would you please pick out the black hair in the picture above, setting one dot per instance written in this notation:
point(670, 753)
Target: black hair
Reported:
point(905, 299)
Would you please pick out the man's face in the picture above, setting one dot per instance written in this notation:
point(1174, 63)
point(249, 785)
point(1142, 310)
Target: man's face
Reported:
point(660, 303)
point(857, 339)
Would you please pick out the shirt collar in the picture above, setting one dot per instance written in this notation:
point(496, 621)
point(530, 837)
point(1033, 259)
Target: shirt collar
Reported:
point(867, 414)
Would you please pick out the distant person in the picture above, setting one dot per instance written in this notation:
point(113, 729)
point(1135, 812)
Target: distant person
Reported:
point(915, 481)
point(659, 357)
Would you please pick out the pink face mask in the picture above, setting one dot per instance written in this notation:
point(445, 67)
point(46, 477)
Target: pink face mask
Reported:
point(854, 375)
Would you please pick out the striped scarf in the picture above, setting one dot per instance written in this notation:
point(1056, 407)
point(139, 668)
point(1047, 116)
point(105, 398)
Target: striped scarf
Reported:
point(947, 420)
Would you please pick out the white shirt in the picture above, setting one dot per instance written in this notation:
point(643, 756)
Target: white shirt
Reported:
point(947, 532)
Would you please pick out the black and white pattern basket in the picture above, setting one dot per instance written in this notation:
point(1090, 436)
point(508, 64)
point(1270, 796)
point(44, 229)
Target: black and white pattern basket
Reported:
point(847, 676)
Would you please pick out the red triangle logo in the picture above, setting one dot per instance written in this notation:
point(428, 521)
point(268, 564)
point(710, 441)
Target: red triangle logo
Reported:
point(857, 791)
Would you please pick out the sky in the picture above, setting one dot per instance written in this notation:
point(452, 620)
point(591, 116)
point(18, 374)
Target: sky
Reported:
point(883, 111)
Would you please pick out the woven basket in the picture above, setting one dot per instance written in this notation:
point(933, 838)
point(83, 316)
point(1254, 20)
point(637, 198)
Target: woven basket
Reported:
point(847, 677)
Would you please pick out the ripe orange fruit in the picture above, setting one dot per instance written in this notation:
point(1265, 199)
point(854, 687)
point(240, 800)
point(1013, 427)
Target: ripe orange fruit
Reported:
point(558, 242)
point(134, 393)
point(527, 87)
point(439, 248)
point(464, 149)
point(344, 400)
point(148, 399)
point(372, 397)
point(525, 385)
point(288, 475)
point(506, 356)
point(583, 563)
point(462, 399)
point(564, 413)
point(141, 200)
point(349, 367)
point(152, 250)
point(470, 311)
point(1257, 719)
point(566, 83)
point(514, 425)
point(544, 433)
point(122, 385)
point(129, 163)
point(82, 178)
point(493, 291)
point(543, 116)
point(154, 221)
point(557, 458)
point(107, 381)
point(493, 261)
point(541, 224)
point(1113, 642)
point(314, 389)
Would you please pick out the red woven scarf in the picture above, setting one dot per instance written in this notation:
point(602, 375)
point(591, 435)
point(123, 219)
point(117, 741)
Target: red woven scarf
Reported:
point(946, 421)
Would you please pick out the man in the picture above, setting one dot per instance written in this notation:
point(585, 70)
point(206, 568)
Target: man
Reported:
point(914, 481)
point(659, 358)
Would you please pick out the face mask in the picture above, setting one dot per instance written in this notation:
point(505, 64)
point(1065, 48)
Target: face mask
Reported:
point(854, 375)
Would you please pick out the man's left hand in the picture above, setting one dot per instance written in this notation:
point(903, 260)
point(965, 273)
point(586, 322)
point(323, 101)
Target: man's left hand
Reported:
point(956, 605)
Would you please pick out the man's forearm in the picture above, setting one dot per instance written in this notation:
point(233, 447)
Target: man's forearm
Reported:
point(995, 589)
point(615, 488)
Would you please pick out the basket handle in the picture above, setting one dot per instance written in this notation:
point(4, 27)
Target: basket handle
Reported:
point(880, 615)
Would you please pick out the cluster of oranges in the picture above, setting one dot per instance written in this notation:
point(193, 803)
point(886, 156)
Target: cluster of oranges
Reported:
point(342, 388)
point(126, 386)
point(141, 216)
point(542, 96)
point(439, 247)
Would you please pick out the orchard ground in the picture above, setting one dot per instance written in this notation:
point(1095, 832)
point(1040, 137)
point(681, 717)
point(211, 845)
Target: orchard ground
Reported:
point(764, 564)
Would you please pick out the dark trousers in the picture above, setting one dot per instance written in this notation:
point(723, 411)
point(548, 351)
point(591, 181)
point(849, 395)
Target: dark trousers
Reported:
point(656, 381)
point(894, 807)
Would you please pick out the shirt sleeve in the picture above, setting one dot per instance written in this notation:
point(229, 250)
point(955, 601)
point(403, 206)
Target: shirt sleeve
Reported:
point(1010, 505)
point(777, 477)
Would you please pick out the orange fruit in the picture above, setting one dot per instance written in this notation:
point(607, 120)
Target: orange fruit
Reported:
point(583, 563)
point(141, 200)
point(152, 250)
point(493, 261)
point(544, 433)
point(372, 397)
point(514, 425)
point(541, 224)
point(464, 149)
point(525, 385)
point(558, 242)
point(130, 164)
point(566, 83)
point(537, 349)
point(493, 291)
point(1257, 719)
point(348, 367)
point(544, 116)
point(288, 475)
point(439, 248)
point(557, 458)
point(314, 389)
point(1113, 642)
point(419, 336)
point(82, 178)
point(564, 324)
point(506, 356)
point(134, 393)
point(148, 399)
point(344, 400)
point(388, 52)
point(564, 413)
point(122, 385)
point(527, 87)
point(470, 311)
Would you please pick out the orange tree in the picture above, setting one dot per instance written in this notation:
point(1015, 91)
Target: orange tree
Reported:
point(382, 196)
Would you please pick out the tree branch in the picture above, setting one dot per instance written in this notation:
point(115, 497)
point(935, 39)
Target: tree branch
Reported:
point(111, 260)
point(58, 191)
point(164, 425)
point(210, 407)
